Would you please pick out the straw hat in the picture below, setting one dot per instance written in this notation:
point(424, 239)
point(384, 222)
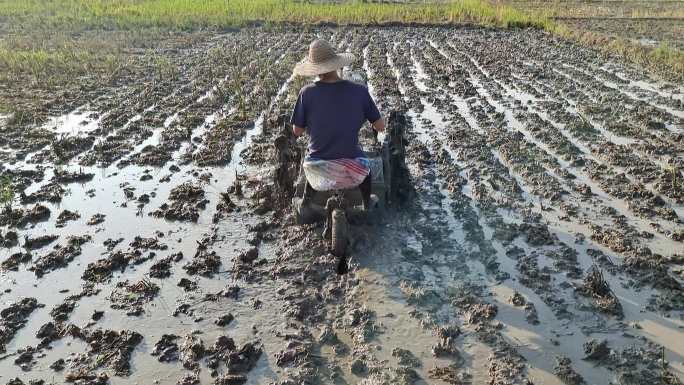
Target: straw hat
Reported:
point(322, 59)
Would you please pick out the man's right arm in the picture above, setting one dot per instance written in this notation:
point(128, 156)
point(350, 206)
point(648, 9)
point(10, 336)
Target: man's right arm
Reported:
point(373, 114)
point(297, 131)
point(379, 125)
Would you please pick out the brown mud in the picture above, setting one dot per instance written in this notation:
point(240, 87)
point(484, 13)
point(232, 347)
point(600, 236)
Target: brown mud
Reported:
point(536, 236)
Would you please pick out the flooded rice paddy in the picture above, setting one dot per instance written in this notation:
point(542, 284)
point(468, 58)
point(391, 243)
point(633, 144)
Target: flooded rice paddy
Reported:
point(539, 238)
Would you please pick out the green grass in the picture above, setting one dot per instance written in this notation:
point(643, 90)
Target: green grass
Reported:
point(47, 43)
point(584, 9)
point(49, 67)
point(196, 14)
point(6, 193)
point(26, 26)
point(39, 60)
point(664, 59)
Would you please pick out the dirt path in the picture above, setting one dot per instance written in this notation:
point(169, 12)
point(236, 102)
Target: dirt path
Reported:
point(541, 241)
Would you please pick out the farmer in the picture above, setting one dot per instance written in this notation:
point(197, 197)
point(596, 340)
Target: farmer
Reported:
point(332, 111)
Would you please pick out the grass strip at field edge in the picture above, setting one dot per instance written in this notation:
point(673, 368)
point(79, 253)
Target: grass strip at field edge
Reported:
point(664, 60)
point(191, 14)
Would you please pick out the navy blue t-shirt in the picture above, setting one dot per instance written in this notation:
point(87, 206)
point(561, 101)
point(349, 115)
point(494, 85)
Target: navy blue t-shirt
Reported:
point(332, 114)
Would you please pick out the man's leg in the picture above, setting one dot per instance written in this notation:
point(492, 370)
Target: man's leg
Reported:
point(305, 210)
point(365, 188)
point(309, 194)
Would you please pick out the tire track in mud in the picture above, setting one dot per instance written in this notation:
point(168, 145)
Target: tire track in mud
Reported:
point(546, 313)
point(425, 289)
point(434, 256)
point(588, 77)
point(584, 178)
point(503, 301)
point(499, 251)
point(668, 202)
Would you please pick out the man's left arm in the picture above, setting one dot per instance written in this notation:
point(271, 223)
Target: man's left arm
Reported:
point(373, 115)
point(298, 119)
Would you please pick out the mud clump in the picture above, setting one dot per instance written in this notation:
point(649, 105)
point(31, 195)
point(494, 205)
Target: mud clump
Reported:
point(595, 350)
point(110, 243)
point(47, 333)
point(18, 381)
point(103, 269)
point(112, 348)
point(531, 313)
point(51, 192)
point(166, 349)
point(205, 263)
point(62, 311)
point(237, 361)
point(189, 379)
point(60, 256)
point(530, 310)
point(97, 315)
point(446, 347)
point(294, 354)
point(66, 177)
point(9, 239)
point(450, 374)
point(151, 156)
point(96, 219)
point(187, 284)
point(64, 149)
point(563, 369)
point(66, 216)
point(231, 379)
point(162, 267)
point(191, 351)
point(187, 200)
point(536, 234)
point(25, 358)
point(249, 256)
point(474, 311)
point(40, 241)
point(612, 238)
point(132, 296)
point(148, 243)
point(13, 261)
point(244, 360)
point(224, 320)
point(406, 358)
point(14, 317)
point(506, 365)
point(218, 145)
point(19, 217)
point(517, 299)
point(58, 365)
point(224, 207)
point(83, 376)
point(597, 288)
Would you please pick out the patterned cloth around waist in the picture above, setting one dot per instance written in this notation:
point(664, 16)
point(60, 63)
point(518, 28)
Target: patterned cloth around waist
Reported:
point(336, 174)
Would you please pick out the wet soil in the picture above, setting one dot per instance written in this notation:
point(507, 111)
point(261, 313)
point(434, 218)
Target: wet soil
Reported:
point(535, 236)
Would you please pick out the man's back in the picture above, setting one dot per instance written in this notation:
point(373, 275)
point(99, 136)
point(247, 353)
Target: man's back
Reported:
point(332, 114)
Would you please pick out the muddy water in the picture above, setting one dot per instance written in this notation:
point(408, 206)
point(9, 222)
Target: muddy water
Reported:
point(534, 345)
point(460, 235)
